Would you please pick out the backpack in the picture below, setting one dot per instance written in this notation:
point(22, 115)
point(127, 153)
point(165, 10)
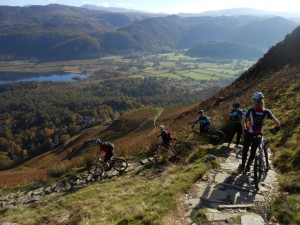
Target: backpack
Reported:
point(167, 136)
point(236, 115)
point(258, 119)
point(108, 145)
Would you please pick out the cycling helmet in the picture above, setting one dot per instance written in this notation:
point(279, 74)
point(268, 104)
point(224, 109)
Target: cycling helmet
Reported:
point(201, 112)
point(257, 96)
point(161, 127)
point(98, 141)
point(237, 105)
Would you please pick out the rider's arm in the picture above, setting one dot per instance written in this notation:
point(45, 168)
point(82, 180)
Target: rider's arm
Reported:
point(277, 123)
point(275, 120)
point(244, 122)
point(196, 121)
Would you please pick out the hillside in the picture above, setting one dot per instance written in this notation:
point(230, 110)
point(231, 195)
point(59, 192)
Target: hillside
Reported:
point(277, 76)
point(57, 32)
point(224, 50)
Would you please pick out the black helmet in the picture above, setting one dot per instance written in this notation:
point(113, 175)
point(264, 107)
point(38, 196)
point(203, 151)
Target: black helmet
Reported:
point(237, 105)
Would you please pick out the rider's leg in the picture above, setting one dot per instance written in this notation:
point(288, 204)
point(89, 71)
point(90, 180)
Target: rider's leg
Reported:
point(239, 132)
point(231, 135)
point(254, 146)
point(107, 158)
point(248, 141)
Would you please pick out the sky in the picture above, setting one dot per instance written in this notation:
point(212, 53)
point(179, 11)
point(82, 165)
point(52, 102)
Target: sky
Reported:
point(172, 6)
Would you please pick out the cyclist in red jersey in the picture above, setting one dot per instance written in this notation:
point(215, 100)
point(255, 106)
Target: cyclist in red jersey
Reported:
point(108, 149)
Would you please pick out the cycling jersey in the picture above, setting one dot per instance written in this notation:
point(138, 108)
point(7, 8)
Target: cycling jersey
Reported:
point(257, 118)
point(204, 123)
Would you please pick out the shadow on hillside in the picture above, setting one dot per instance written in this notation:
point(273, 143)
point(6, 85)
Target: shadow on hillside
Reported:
point(235, 189)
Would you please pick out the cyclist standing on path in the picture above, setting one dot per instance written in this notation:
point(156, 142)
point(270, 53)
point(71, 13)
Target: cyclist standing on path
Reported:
point(108, 149)
point(204, 122)
point(236, 116)
point(166, 136)
point(255, 117)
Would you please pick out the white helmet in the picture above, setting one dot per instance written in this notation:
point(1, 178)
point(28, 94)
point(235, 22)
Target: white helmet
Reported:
point(257, 96)
point(161, 127)
point(98, 141)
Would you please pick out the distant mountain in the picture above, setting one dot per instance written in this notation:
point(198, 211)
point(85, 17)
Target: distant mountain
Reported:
point(152, 34)
point(55, 32)
point(111, 9)
point(265, 33)
point(139, 14)
point(224, 50)
point(242, 11)
point(58, 32)
point(259, 32)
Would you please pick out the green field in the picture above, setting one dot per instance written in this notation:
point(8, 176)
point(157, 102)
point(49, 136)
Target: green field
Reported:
point(175, 66)
point(178, 66)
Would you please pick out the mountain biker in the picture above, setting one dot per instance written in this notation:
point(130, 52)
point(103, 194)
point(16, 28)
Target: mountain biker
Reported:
point(236, 116)
point(204, 122)
point(166, 136)
point(108, 149)
point(255, 117)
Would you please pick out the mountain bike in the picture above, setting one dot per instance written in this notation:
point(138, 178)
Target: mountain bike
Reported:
point(215, 137)
point(157, 154)
point(261, 165)
point(99, 166)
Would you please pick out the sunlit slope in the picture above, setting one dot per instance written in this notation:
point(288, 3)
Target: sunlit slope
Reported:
point(127, 133)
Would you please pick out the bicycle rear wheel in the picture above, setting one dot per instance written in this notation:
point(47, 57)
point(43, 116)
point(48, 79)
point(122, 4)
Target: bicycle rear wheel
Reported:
point(97, 169)
point(257, 171)
point(217, 137)
point(120, 164)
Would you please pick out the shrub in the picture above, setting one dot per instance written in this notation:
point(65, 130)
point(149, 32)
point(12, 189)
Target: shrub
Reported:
point(65, 167)
point(287, 209)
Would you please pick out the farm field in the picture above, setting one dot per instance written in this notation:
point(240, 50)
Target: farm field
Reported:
point(170, 65)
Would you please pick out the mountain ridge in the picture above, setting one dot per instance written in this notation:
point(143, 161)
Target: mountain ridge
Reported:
point(73, 33)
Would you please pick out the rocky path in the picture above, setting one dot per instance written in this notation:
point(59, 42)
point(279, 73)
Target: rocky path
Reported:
point(228, 197)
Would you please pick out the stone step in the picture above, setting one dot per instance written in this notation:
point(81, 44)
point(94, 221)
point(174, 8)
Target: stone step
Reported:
point(213, 217)
point(252, 219)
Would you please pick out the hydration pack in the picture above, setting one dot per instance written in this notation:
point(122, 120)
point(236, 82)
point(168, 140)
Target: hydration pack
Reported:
point(167, 136)
point(108, 145)
point(236, 115)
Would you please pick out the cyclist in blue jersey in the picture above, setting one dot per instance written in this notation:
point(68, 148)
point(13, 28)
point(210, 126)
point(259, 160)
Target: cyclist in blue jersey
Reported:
point(204, 122)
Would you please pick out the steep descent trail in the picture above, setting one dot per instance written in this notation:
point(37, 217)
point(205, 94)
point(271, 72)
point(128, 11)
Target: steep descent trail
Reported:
point(227, 196)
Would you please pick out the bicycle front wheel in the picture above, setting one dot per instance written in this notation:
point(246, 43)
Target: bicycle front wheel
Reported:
point(96, 169)
point(257, 171)
point(120, 164)
point(217, 137)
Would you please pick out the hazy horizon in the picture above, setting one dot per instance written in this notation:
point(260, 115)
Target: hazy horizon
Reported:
point(173, 6)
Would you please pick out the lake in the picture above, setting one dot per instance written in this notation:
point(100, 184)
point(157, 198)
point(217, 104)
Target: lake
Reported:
point(51, 77)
